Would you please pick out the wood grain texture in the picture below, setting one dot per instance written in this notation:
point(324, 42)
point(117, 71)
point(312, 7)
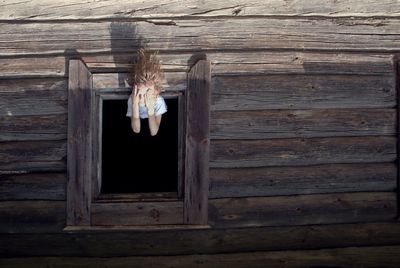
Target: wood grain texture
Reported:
point(34, 127)
point(331, 178)
point(27, 156)
point(33, 102)
point(199, 241)
point(386, 256)
point(197, 142)
point(28, 85)
point(137, 213)
point(222, 63)
point(302, 92)
point(74, 10)
point(36, 186)
point(310, 151)
point(272, 124)
point(32, 216)
point(79, 144)
point(175, 81)
point(333, 34)
point(302, 209)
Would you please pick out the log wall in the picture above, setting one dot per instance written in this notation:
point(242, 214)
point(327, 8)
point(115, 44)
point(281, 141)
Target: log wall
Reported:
point(303, 129)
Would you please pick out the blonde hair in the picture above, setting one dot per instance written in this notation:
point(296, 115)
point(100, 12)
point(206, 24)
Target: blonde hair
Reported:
point(147, 67)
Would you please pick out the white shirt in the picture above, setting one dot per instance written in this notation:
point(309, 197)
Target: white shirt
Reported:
point(160, 107)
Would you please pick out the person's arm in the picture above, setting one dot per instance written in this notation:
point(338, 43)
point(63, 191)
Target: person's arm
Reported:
point(154, 120)
point(135, 120)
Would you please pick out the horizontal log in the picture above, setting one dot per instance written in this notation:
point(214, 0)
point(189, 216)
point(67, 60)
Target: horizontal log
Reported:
point(223, 63)
point(302, 92)
point(46, 216)
point(32, 216)
point(272, 181)
point(41, 186)
point(33, 103)
point(385, 256)
point(271, 124)
point(137, 213)
point(32, 84)
point(311, 151)
point(302, 209)
point(35, 127)
point(349, 34)
point(199, 241)
point(175, 81)
point(26, 156)
point(74, 10)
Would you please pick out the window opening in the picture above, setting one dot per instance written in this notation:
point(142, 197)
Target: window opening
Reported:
point(138, 162)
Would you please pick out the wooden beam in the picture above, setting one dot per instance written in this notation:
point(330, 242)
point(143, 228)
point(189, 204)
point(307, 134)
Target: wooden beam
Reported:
point(114, 243)
point(299, 151)
point(137, 213)
point(174, 81)
point(372, 35)
point(28, 156)
point(302, 92)
point(302, 209)
point(34, 127)
point(223, 63)
point(385, 256)
point(397, 71)
point(32, 216)
point(41, 10)
point(197, 143)
point(275, 124)
point(79, 144)
point(36, 186)
point(296, 180)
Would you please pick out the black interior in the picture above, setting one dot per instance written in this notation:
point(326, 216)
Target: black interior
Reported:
point(135, 163)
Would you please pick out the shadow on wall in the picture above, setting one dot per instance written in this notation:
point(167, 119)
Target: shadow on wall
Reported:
point(125, 41)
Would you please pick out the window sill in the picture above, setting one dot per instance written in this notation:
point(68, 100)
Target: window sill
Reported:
point(94, 229)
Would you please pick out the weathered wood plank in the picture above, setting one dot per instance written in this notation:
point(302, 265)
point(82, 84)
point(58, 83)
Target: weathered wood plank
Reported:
point(138, 213)
point(302, 92)
point(79, 158)
point(33, 97)
point(33, 84)
point(270, 124)
point(199, 241)
point(32, 216)
point(41, 186)
point(33, 66)
point(302, 209)
point(258, 62)
point(223, 63)
point(398, 134)
point(25, 156)
point(197, 142)
point(175, 81)
point(35, 127)
point(272, 181)
point(386, 256)
point(349, 34)
point(310, 151)
point(74, 10)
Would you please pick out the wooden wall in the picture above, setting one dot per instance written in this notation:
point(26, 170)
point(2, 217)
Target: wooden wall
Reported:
point(303, 151)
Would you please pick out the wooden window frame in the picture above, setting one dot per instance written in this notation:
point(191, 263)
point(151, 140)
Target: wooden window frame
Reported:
point(87, 208)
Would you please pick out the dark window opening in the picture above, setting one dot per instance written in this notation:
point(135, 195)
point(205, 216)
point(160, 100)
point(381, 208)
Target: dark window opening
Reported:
point(138, 162)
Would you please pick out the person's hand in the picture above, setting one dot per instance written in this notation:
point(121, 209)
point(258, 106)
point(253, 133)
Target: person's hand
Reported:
point(135, 96)
point(150, 101)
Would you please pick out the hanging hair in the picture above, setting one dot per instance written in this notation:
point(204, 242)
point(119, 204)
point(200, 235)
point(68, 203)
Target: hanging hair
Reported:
point(147, 67)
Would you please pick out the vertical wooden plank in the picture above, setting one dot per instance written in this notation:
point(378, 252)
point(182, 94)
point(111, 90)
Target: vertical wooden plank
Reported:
point(397, 73)
point(79, 144)
point(181, 144)
point(197, 144)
